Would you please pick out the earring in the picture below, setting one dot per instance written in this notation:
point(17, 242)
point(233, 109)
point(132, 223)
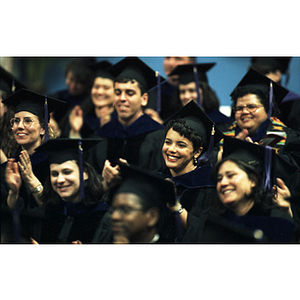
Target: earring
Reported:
point(195, 160)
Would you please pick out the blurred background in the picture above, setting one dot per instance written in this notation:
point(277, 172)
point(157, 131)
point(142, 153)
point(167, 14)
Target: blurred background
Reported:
point(46, 74)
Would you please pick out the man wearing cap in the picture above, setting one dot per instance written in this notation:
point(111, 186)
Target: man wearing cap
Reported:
point(133, 135)
point(139, 212)
point(255, 104)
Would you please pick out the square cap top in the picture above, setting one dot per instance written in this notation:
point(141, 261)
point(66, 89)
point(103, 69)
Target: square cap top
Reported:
point(254, 78)
point(148, 186)
point(64, 149)
point(26, 100)
point(134, 68)
point(199, 121)
point(186, 72)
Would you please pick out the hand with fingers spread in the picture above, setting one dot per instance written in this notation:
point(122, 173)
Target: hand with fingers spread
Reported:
point(25, 167)
point(280, 194)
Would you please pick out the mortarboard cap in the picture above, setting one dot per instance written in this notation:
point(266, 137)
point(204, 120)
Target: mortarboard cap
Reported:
point(26, 100)
point(134, 68)
point(279, 63)
point(100, 69)
point(199, 121)
point(254, 78)
point(148, 186)
point(262, 159)
point(186, 72)
point(8, 83)
point(64, 149)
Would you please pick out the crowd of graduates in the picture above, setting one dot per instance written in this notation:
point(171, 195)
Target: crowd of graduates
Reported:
point(124, 155)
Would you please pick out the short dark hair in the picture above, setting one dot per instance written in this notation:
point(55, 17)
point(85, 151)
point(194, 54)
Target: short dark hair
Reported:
point(131, 80)
point(182, 127)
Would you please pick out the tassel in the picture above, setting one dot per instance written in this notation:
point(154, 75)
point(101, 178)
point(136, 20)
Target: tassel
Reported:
point(158, 105)
point(80, 161)
point(267, 169)
point(207, 156)
point(46, 120)
point(270, 100)
point(197, 86)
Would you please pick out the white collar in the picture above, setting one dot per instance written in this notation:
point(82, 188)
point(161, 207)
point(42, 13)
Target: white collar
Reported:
point(155, 238)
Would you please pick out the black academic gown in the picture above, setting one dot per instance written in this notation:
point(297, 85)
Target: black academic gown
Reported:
point(68, 222)
point(228, 227)
point(140, 144)
point(194, 189)
point(40, 168)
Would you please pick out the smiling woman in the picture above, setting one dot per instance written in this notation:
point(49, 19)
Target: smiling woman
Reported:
point(29, 130)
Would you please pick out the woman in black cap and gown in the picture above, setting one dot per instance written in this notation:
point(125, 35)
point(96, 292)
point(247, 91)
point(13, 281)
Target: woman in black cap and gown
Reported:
point(249, 207)
point(24, 173)
point(72, 199)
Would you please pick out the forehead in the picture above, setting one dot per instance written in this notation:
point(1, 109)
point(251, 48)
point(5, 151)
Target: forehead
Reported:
point(247, 99)
point(128, 85)
point(128, 199)
point(69, 164)
point(191, 85)
point(103, 81)
point(229, 166)
point(25, 114)
point(174, 135)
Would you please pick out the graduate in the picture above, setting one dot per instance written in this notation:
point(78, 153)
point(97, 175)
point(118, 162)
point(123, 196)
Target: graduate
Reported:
point(23, 174)
point(188, 153)
point(133, 135)
point(255, 102)
point(251, 203)
point(199, 91)
point(72, 199)
point(139, 212)
point(95, 111)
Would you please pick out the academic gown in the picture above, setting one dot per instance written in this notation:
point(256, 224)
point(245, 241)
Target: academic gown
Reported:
point(68, 222)
point(194, 189)
point(139, 143)
point(288, 149)
point(40, 168)
point(277, 227)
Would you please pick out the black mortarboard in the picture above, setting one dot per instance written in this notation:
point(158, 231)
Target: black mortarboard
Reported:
point(64, 149)
point(280, 63)
point(26, 100)
point(100, 69)
point(260, 158)
point(8, 82)
point(148, 186)
point(134, 68)
point(186, 72)
point(254, 78)
point(201, 123)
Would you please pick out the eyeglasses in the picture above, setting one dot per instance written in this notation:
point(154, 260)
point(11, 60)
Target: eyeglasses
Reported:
point(123, 210)
point(27, 122)
point(250, 107)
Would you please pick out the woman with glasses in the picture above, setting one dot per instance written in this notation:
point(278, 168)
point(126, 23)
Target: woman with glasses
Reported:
point(255, 103)
point(24, 172)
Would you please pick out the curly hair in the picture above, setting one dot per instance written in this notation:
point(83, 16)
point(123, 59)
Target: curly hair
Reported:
point(182, 127)
point(262, 93)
